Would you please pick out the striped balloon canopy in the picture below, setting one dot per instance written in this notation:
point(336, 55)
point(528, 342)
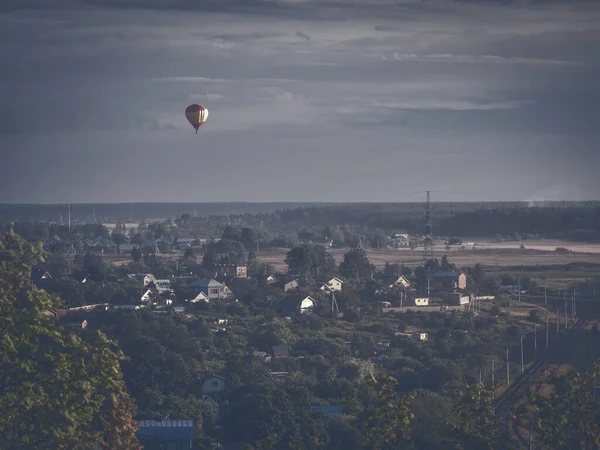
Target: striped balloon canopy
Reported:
point(196, 115)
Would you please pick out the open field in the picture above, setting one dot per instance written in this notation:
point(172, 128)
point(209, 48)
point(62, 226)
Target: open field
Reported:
point(489, 255)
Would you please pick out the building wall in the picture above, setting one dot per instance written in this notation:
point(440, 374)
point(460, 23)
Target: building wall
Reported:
point(213, 384)
point(462, 281)
point(307, 305)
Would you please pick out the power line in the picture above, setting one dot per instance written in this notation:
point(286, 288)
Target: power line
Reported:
point(428, 246)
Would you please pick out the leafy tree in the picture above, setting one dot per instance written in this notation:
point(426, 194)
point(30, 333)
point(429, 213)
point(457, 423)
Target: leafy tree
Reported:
point(136, 254)
point(58, 390)
point(312, 261)
point(387, 422)
point(356, 264)
point(568, 417)
point(474, 419)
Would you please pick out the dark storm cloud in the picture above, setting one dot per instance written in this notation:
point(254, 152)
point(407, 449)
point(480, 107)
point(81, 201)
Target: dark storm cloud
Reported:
point(307, 99)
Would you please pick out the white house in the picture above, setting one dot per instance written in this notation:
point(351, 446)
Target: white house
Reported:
point(421, 301)
point(298, 304)
point(213, 383)
point(201, 297)
point(333, 285)
point(162, 285)
point(420, 336)
point(401, 281)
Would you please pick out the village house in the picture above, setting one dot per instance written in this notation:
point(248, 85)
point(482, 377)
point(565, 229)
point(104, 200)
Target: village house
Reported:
point(298, 304)
point(183, 242)
point(80, 325)
point(212, 385)
point(230, 270)
point(324, 241)
point(162, 286)
point(200, 297)
point(399, 281)
point(418, 301)
point(212, 288)
point(287, 283)
point(333, 285)
point(457, 299)
point(280, 351)
point(400, 240)
point(451, 280)
point(420, 336)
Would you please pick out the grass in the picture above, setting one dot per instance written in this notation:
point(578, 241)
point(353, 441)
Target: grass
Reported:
point(489, 257)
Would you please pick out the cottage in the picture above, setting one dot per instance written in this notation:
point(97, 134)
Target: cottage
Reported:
point(212, 288)
point(263, 355)
point(280, 351)
point(420, 336)
point(200, 297)
point(458, 299)
point(324, 241)
point(80, 325)
point(295, 304)
point(231, 270)
point(418, 301)
point(287, 283)
point(451, 280)
point(400, 240)
point(162, 286)
point(166, 434)
point(183, 242)
point(333, 285)
point(399, 281)
point(212, 384)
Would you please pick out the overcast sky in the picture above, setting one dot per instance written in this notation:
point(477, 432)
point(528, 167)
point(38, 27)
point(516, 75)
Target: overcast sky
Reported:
point(329, 100)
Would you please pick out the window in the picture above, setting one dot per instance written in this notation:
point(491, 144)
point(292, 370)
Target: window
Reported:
point(215, 384)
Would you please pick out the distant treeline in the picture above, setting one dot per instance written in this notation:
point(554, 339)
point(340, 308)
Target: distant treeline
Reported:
point(114, 212)
point(503, 220)
point(506, 220)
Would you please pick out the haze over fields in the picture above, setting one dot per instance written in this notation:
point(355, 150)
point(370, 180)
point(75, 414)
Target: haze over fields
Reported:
point(327, 101)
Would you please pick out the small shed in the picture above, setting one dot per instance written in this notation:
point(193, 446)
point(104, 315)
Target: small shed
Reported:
point(167, 434)
point(213, 383)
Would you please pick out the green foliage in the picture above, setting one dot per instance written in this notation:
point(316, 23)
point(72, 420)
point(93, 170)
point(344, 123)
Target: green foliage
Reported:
point(356, 264)
point(387, 422)
point(58, 390)
point(473, 419)
point(569, 417)
point(311, 261)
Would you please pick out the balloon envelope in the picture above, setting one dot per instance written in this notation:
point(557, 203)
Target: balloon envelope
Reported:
point(196, 115)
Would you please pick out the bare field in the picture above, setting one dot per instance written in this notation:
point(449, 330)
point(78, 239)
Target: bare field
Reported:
point(489, 255)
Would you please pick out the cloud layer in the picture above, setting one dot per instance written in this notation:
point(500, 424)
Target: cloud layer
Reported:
point(308, 100)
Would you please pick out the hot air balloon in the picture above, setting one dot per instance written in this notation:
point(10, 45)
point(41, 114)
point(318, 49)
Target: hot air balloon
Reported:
point(196, 115)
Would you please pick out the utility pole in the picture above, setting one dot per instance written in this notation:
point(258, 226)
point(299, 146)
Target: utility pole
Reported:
point(566, 313)
point(257, 246)
point(547, 314)
point(534, 340)
point(519, 287)
point(573, 305)
point(545, 293)
point(507, 369)
point(522, 362)
point(493, 377)
point(557, 330)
